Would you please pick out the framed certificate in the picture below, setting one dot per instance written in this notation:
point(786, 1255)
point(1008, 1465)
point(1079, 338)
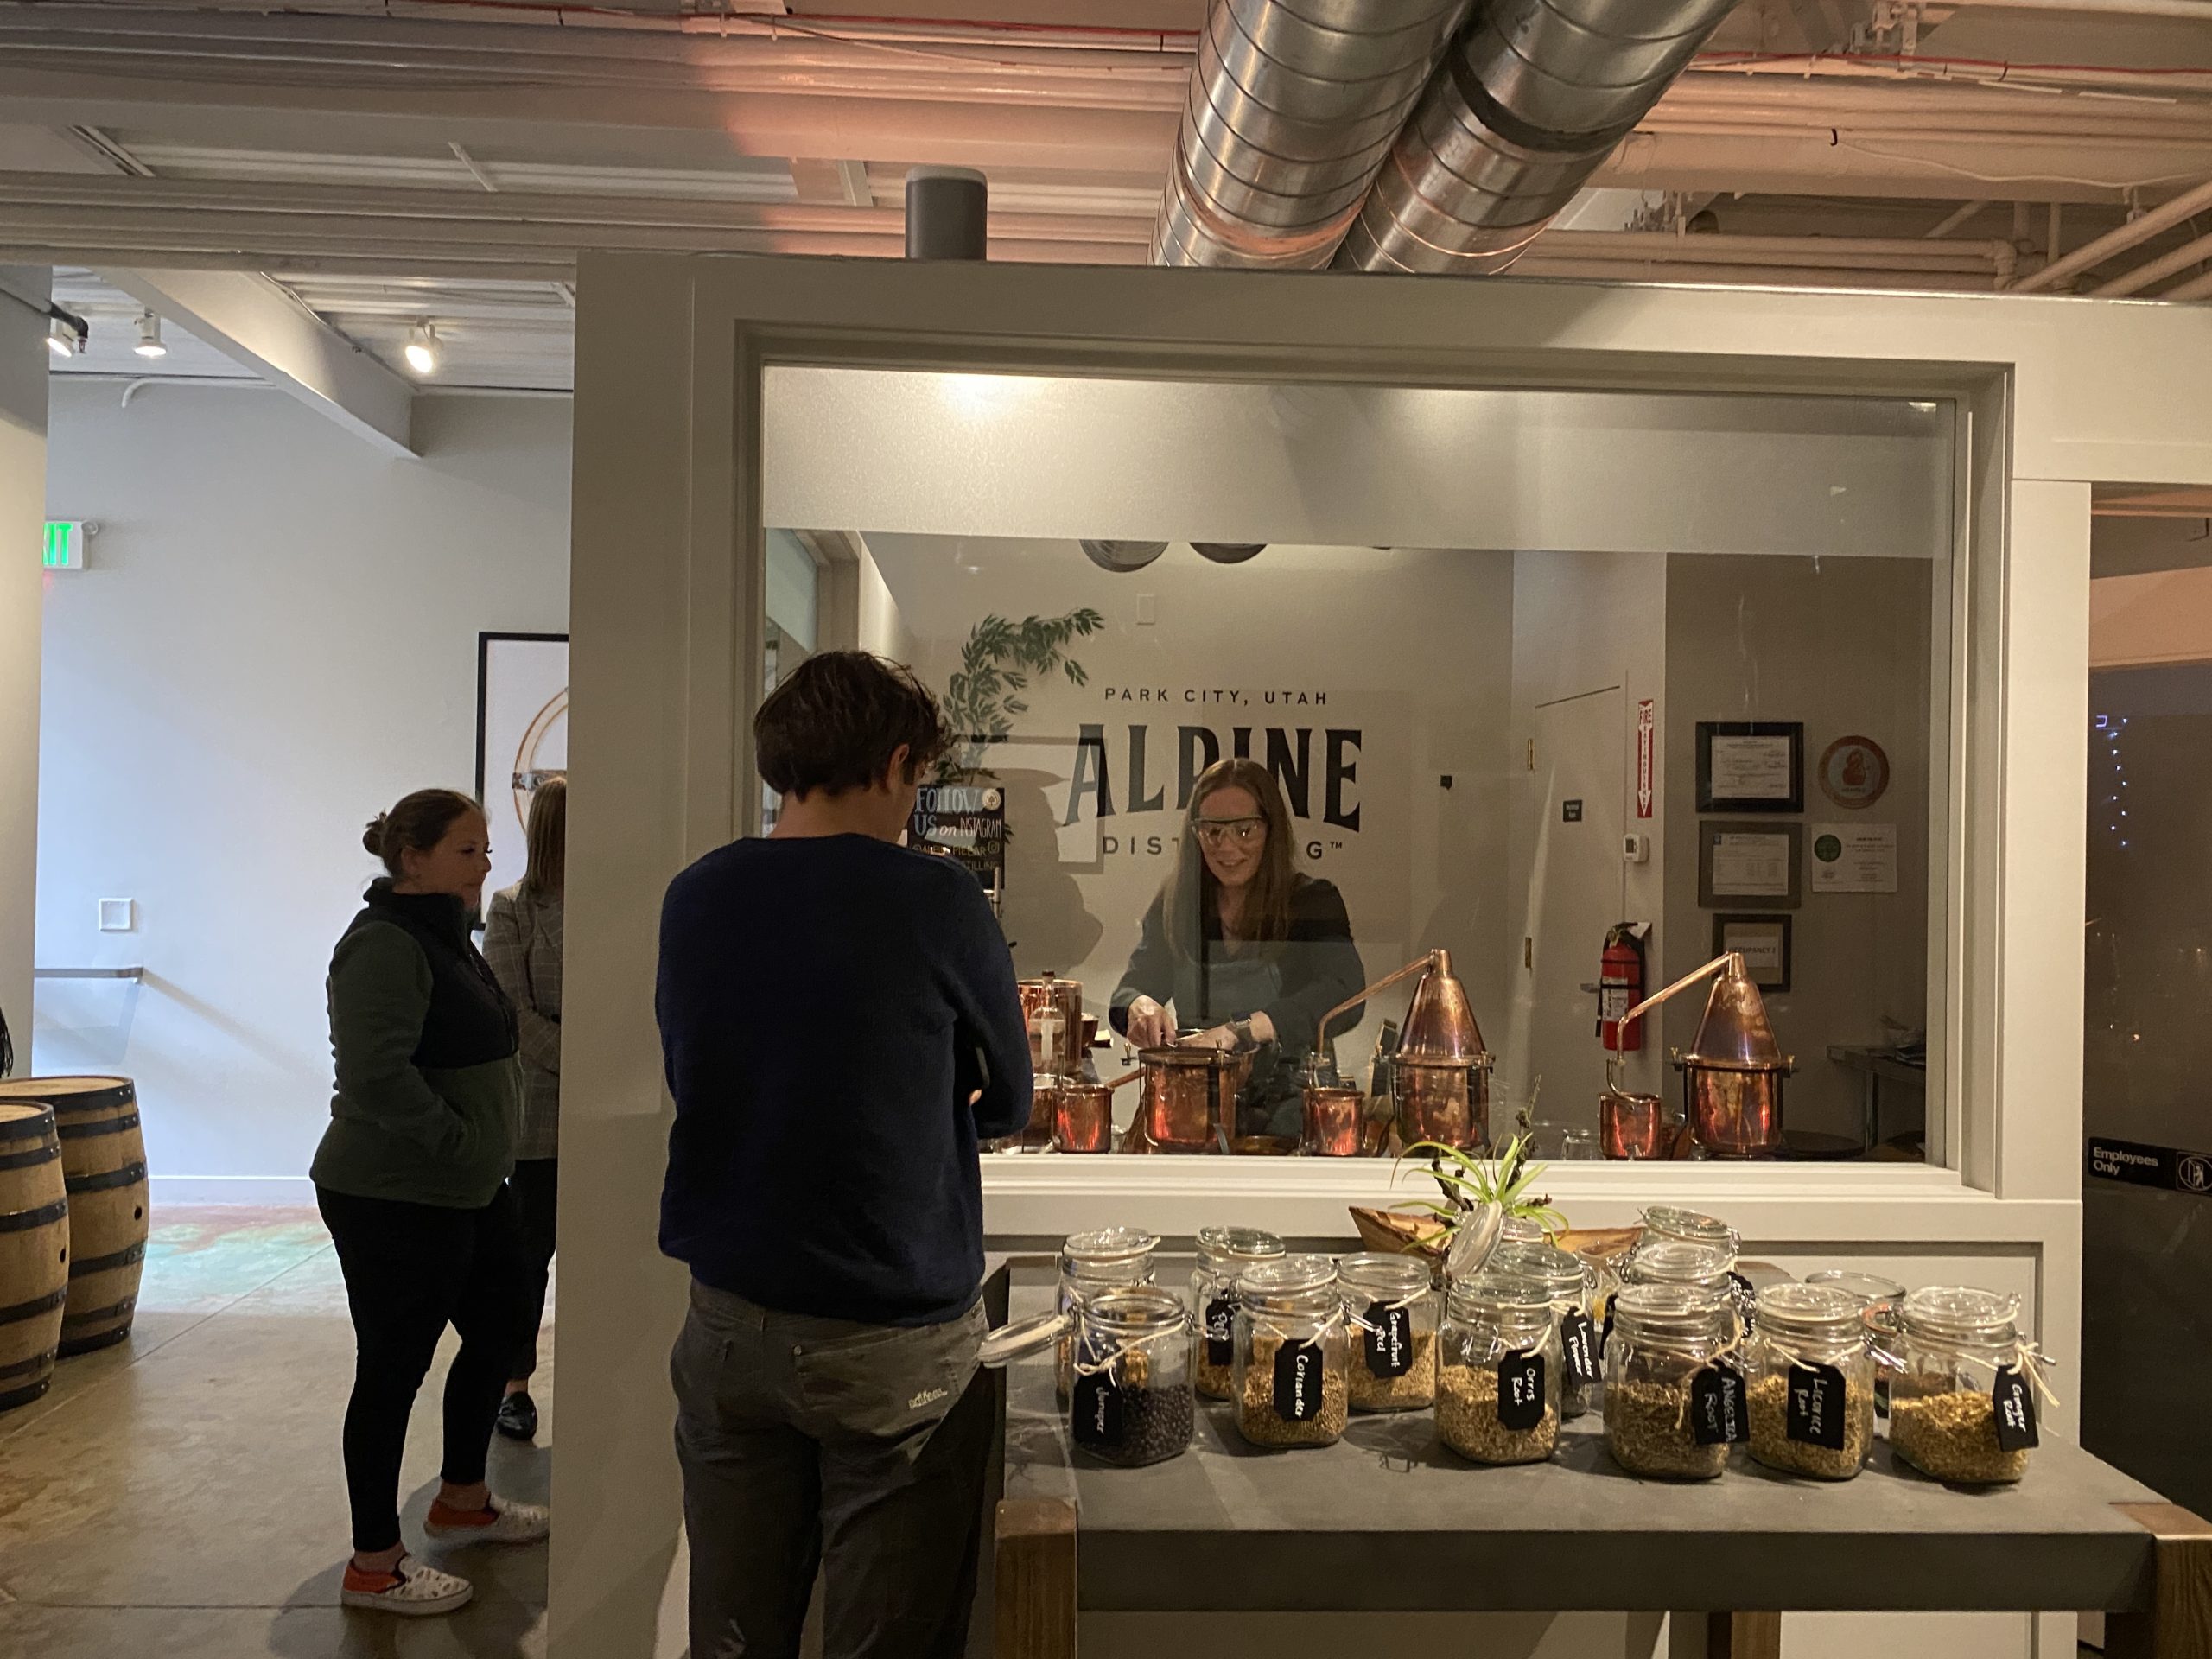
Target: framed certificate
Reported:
point(1751, 766)
point(1740, 862)
point(1764, 942)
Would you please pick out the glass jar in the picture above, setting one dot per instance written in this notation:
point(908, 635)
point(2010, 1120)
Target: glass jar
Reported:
point(1131, 1400)
point(1810, 1379)
point(1497, 1393)
point(1572, 1285)
point(1223, 1252)
point(1668, 1363)
point(1390, 1308)
point(1521, 1230)
point(1867, 1288)
point(1090, 1263)
point(1291, 1385)
point(1961, 1383)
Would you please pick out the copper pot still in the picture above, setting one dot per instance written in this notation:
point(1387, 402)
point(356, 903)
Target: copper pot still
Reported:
point(1633, 1126)
point(1083, 1117)
point(1446, 1103)
point(1053, 1009)
point(1336, 1120)
point(1187, 1099)
point(1733, 1112)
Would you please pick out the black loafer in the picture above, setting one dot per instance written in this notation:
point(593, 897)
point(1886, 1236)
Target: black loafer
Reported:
point(518, 1418)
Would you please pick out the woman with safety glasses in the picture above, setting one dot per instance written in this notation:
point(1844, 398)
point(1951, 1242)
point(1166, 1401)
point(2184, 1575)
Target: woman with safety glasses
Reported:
point(1240, 949)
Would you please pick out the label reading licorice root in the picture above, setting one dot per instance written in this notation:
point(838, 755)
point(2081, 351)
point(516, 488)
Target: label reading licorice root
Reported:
point(1814, 1413)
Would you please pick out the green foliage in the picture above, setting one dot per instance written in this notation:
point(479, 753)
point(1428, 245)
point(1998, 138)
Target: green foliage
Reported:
point(997, 665)
point(1504, 1181)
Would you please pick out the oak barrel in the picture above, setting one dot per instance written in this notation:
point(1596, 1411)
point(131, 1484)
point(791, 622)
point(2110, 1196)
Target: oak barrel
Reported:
point(33, 1250)
point(104, 1167)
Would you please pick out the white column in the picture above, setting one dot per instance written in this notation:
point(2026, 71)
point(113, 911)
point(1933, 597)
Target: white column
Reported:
point(23, 512)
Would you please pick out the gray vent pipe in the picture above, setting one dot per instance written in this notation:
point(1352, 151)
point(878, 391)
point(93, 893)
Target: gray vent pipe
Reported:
point(1526, 105)
point(1293, 107)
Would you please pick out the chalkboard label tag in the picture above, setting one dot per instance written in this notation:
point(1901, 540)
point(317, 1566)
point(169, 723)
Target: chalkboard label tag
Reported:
point(1605, 1330)
point(1578, 1338)
point(2015, 1403)
point(1221, 1331)
point(1717, 1415)
point(1095, 1411)
point(1521, 1391)
point(1388, 1340)
point(1298, 1372)
point(1815, 1415)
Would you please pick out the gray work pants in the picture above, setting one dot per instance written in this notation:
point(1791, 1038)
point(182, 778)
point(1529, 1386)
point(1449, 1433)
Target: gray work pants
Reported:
point(858, 1449)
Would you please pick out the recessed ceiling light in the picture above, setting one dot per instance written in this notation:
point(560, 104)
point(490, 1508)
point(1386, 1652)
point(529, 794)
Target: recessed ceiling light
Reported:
point(149, 336)
point(423, 349)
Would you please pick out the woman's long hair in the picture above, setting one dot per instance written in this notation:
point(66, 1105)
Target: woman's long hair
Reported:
point(1193, 892)
point(547, 837)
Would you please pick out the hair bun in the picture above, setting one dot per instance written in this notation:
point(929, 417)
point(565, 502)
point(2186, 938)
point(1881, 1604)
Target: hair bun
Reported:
point(373, 838)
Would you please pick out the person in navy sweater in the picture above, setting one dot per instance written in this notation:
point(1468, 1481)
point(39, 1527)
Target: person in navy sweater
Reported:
point(840, 1029)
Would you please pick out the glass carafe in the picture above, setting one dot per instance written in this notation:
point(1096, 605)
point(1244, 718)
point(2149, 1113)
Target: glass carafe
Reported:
point(1390, 1308)
point(1291, 1384)
point(1811, 1382)
point(1223, 1252)
point(1497, 1390)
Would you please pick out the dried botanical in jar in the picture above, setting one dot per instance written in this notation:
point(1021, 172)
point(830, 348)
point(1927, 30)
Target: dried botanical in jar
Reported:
point(1467, 1420)
point(1291, 1384)
point(1953, 1436)
point(1812, 1382)
point(1674, 1397)
point(1963, 1384)
point(1223, 1252)
point(1390, 1320)
point(1498, 1386)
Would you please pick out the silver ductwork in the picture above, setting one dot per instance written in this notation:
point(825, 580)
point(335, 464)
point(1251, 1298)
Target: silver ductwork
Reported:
point(1293, 107)
point(1526, 106)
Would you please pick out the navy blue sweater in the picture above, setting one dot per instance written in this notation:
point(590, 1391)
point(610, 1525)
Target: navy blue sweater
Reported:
point(826, 1005)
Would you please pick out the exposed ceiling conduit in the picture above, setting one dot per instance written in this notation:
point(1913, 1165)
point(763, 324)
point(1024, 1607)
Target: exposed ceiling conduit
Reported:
point(1528, 104)
point(2140, 229)
point(2170, 264)
point(1292, 108)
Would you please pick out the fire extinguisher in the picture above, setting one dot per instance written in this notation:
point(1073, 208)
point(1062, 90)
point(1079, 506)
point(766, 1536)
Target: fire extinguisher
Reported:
point(1620, 988)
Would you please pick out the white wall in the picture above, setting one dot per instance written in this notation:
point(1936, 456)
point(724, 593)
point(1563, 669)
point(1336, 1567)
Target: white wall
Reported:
point(22, 510)
point(275, 640)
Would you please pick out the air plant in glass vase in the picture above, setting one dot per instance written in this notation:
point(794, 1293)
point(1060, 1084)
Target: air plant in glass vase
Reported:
point(1476, 1197)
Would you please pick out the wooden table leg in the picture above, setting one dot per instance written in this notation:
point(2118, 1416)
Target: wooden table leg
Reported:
point(1034, 1565)
point(1724, 1635)
point(2178, 1625)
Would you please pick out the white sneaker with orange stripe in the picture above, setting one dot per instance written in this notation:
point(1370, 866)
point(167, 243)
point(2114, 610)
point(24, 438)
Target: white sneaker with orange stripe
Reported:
point(499, 1521)
point(411, 1589)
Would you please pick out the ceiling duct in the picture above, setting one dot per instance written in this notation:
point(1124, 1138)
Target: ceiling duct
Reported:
point(1293, 107)
point(1528, 103)
point(1123, 557)
point(1229, 552)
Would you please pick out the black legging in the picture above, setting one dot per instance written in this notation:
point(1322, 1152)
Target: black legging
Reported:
point(410, 1270)
point(536, 1183)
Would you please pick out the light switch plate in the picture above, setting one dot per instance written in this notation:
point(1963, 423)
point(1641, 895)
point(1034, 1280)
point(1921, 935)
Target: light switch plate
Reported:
point(118, 915)
point(1148, 610)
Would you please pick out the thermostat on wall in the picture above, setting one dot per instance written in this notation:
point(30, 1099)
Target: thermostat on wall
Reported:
point(1635, 849)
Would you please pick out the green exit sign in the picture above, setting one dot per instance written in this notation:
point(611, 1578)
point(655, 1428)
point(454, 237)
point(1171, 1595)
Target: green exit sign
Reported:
point(64, 545)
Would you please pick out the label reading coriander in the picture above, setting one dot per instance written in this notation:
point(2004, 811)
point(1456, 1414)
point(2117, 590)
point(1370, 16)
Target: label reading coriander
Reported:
point(1716, 1416)
point(2014, 1403)
point(1221, 1331)
point(1578, 1338)
point(1814, 1414)
point(1388, 1340)
point(1095, 1412)
point(1299, 1371)
point(1521, 1391)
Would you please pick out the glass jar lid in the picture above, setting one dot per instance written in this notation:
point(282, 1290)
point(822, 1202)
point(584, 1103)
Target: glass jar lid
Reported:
point(1868, 1287)
point(1231, 1247)
point(1383, 1274)
point(1674, 1261)
point(1502, 1299)
point(1521, 1230)
point(1134, 1311)
point(1814, 1313)
point(1289, 1283)
point(1561, 1272)
point(1960, 1313)
point(1106, 1249)
point(1665, 1221)
point(1671, 1315)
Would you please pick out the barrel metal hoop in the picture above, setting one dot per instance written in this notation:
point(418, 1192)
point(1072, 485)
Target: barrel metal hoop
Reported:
point(27, 1126)
point(22, 1220)
point(23, 1397)
point(84, 1265)
point(50, 1152)
point(92, 1100)
point(71, 1346)
point(121, 1310)
point(108, 1180)
point(105, 1125)
point(33, 1308)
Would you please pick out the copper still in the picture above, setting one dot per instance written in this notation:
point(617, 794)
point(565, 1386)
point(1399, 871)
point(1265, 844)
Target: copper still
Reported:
point(1633, 1126)
point(1082, 1116)
point(1187, 1099)
point(1732, 1075)
point(1053, 1009)
point(1336, 1122)
point(1439, 1069)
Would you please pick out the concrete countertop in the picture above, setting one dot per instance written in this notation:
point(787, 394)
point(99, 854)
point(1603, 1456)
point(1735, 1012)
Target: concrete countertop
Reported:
point(1388, 1518)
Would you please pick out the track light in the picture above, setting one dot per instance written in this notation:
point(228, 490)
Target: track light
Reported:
point(65, 335)
point(423, 349)
point(149, 336)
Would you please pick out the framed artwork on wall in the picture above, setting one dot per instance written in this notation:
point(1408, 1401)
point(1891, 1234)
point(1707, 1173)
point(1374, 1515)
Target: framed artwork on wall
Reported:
point(1749, 862)
point(522, 735)
point(1751, 766)
point(1764, 942)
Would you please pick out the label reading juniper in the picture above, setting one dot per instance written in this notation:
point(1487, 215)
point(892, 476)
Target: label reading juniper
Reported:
point(1299, 1371)
point(1717, 1415)
point(1578, 1338)
point(1221, 1331)
point(2014, 1403)
point(1814, 1414)
point(1388, 1339)
point(1521, 1391)
point(1095, 1412)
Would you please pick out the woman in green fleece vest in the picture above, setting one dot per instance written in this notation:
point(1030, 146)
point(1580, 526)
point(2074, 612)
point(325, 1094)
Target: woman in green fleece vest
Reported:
point(411, 1180)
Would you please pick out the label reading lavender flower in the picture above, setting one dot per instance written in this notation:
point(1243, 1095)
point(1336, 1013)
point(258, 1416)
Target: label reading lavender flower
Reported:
point(1388, 1339)
point(1578, 1338)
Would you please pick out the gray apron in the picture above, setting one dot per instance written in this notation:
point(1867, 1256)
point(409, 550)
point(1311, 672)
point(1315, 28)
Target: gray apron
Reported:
point(1272, 1100)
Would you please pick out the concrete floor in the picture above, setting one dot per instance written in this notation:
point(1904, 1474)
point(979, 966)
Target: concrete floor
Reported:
point(181, 1494)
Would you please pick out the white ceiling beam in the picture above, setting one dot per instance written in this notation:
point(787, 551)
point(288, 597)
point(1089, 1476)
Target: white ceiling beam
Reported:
point(256, 321)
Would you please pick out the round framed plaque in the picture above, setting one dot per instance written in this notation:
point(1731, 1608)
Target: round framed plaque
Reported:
point(1853, 772)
